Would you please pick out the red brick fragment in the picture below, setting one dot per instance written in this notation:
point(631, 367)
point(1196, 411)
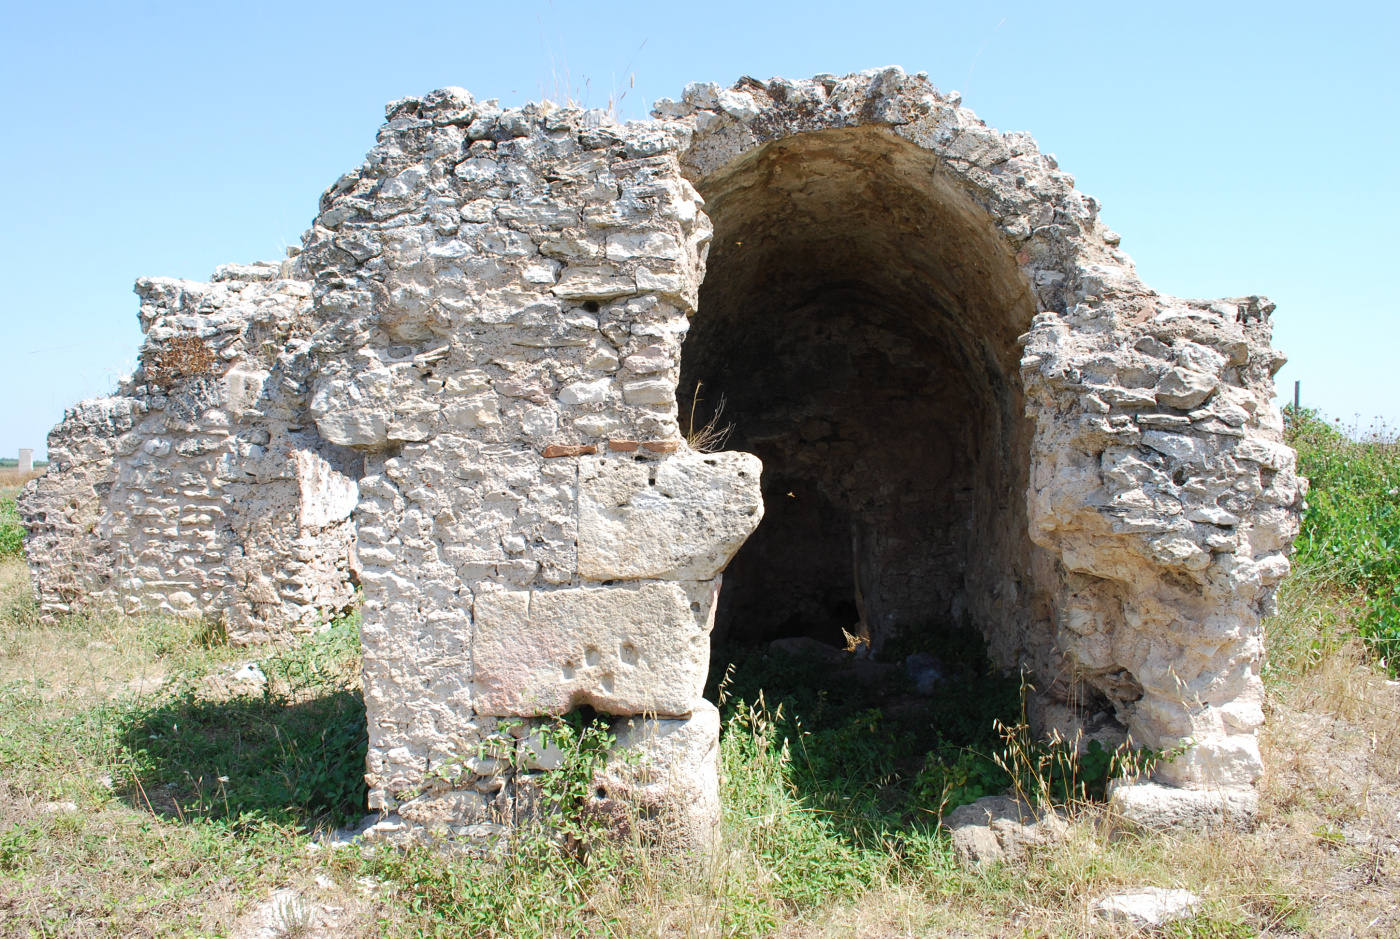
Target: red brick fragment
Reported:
point(623, 446)
point(662, 446)
point(568, 449)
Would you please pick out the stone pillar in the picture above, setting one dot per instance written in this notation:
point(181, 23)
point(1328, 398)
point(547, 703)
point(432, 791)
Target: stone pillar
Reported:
point(26, 461)
point(504, 296)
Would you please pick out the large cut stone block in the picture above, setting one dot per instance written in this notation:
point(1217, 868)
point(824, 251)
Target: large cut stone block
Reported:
point(670, 777)
point(626, 649)
point(680, 519)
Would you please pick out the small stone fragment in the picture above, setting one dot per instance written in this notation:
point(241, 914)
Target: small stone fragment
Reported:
point(1150, 906)
point(1000, 828)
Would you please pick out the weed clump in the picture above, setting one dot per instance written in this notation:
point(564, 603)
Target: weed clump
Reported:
point(181, 357)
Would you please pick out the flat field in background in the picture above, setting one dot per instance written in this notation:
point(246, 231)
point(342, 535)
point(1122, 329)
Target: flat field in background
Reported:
point(151, 784)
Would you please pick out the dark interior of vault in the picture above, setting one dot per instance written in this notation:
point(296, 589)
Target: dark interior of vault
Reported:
point(857, 324)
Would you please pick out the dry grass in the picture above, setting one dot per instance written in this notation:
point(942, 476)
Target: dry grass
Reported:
point(12, 480)
point(180, 357)
point(85, 848)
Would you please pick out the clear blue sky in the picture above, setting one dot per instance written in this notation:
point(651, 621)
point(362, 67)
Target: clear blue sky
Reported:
point(1238, 147)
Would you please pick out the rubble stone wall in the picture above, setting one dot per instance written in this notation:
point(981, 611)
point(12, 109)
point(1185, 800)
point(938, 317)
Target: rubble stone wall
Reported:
point(201, 489)
point(491, 313)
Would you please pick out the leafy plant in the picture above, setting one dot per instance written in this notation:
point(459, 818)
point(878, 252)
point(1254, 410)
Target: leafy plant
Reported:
point(11, 530)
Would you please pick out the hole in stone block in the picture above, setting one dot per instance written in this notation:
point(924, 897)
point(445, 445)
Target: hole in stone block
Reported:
point(628, 654)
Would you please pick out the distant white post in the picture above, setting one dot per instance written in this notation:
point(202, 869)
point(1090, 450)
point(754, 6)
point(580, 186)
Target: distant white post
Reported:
point(26, 461)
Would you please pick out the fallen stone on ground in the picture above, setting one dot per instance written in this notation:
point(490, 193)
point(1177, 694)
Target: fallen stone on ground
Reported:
point(1151, 906)
point(1001, 828)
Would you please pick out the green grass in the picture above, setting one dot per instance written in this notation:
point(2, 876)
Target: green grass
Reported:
point(1350, 535)
point(871, 767)
point(194, 796)
point(293, 753)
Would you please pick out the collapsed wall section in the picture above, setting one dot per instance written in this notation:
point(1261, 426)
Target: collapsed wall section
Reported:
point(201, 489)
point(69, 560)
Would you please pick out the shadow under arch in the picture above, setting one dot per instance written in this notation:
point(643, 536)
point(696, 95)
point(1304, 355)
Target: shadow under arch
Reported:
point(859, 317)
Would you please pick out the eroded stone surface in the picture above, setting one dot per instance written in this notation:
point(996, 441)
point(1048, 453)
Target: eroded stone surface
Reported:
point(680, 519)
point(666, 773)
point(1156, 807)
point(1001, 828)
point(626, 649)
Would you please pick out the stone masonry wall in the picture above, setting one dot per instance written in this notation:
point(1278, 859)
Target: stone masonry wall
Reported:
point(504, 294)
point(201, 489)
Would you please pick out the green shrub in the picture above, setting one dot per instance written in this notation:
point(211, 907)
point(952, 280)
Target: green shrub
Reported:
point(11, 531)
point(1350, 534)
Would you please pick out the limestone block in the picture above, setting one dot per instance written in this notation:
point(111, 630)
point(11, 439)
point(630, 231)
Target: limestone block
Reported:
point(668, 773)
point(652, 392)
point(1149, 907)
point(1000, 828)
point(355, 428)
point(458, 807)
point(586, 392)
point(480, 411)
point(625, 649)
point(1154, 806)
point(327, 496)
point(1185, 388)
point(584, 283)
point(680, 519)
point(245, 386)
point(739, 105)
point(1230, 760)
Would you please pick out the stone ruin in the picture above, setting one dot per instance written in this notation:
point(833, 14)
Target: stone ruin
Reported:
point(474, 389)
point(201, 488)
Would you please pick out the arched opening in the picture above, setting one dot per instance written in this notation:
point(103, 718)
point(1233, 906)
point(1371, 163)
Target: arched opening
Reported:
point(859, 319)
